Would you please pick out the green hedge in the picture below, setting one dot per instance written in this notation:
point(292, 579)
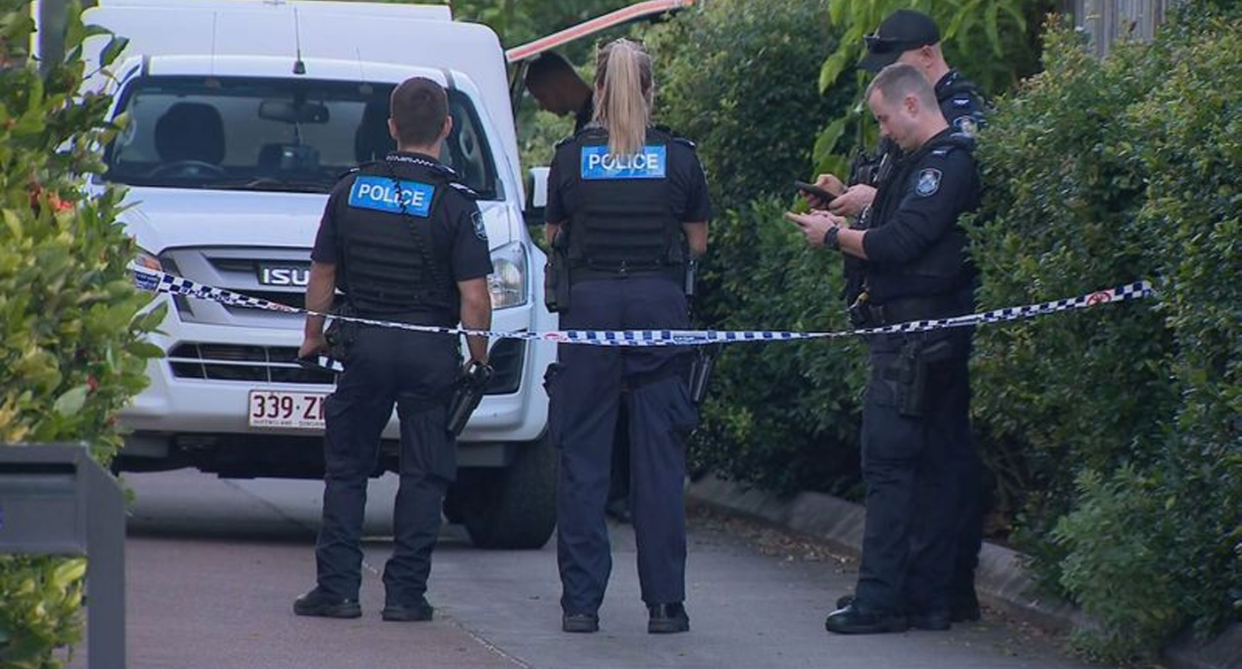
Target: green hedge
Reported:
point(1113, 434)
point(1119, 428)
point(71, 352)
point(738, 78)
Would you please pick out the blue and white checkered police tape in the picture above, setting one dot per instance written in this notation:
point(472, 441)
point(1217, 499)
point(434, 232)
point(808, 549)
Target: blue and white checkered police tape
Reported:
point(161, 282)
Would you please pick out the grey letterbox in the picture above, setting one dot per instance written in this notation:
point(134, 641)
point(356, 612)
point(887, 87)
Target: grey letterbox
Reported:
point(56, 500)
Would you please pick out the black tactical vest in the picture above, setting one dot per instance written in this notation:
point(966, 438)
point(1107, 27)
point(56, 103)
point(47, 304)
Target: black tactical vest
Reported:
point(623, 220)
point(384, 226)
point(943, 268)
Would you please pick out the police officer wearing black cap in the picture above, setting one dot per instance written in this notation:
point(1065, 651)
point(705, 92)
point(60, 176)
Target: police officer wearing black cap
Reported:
point(917, 399)
point(628, 203)
point(911, 37)
point(404, 241)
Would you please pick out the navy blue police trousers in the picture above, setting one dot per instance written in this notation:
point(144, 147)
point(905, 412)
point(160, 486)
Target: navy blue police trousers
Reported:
point(415, 372)
point(914, 468)
point(585, 394)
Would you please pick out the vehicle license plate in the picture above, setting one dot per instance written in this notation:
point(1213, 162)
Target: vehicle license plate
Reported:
point(279, 408)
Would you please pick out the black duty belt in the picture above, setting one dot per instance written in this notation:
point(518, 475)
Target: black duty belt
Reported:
point(587, 272)
point(906, 309)
point(432, 318)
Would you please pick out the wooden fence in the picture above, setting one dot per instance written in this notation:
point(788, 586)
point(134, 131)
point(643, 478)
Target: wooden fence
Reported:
point(1108, 21)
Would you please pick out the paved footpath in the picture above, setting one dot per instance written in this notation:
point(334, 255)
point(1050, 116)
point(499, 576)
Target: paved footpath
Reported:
point(213, 566)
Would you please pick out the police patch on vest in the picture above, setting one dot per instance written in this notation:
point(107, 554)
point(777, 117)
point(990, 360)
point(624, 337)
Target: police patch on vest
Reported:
point(480, 229)
point(392, 196)
point(929, 182)
point(966, 125)
point(598, 164)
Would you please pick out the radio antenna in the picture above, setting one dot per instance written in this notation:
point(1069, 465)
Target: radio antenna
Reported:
point(299, 67)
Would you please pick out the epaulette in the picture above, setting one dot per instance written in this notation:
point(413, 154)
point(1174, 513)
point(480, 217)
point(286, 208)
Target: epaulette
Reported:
point(446, 171)
point(955, 141)
point(354, 170)
point(464, 189)
point(674, 136)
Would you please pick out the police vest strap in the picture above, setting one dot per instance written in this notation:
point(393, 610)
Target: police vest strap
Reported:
point(423, 243)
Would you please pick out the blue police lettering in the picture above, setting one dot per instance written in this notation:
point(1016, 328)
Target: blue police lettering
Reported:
point(394, 197)
point(387, 194)
point(638, 161)
point(649, 163)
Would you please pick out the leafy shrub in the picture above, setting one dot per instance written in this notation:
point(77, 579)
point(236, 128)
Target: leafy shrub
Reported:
point(734, 76)
point(1101, 173)
point(71, 352)
point(784, 415)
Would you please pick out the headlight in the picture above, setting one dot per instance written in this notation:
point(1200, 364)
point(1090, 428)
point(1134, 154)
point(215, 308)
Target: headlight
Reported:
point(148, 261)
point(507, 282)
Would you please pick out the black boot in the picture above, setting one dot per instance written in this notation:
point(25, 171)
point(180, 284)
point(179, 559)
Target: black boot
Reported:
point(667, 619)
point(854, 619)
point(321, 604)
point(935, 621)
point(580, 623)
point(418, 612)
point(964, 606)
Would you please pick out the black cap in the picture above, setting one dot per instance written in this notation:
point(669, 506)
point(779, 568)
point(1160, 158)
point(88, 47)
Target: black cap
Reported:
point(903, 30)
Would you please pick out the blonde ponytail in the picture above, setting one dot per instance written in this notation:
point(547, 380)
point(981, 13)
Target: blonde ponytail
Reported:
point(623, 88)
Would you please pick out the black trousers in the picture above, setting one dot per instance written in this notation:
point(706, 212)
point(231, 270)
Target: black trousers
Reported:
point(914, 468)
point(415, 372)
point(585, 397)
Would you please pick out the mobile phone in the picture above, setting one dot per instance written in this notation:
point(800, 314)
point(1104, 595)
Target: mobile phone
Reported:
point(815, 190)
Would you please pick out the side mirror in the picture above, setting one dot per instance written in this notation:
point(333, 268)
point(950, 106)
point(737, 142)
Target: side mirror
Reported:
point(537, 196)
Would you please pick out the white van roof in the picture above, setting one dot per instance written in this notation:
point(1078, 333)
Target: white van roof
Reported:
point(417, 35)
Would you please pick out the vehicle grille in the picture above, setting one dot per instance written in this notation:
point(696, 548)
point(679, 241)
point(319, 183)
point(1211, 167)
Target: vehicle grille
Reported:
point(234, 362)
point(278, 364)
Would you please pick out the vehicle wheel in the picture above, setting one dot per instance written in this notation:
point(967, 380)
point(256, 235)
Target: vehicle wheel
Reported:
point(513, 508)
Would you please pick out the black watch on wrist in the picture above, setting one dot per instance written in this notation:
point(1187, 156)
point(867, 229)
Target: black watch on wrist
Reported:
point(830, 238)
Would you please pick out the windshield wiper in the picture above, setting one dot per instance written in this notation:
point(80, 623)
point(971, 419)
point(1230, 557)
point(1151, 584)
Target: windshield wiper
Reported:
point(270, 184)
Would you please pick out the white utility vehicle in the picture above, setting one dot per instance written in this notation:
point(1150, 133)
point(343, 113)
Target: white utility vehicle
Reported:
point(241, 116)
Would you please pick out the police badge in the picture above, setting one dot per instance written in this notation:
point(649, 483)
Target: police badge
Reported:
point(929, 182)
point(480, 230)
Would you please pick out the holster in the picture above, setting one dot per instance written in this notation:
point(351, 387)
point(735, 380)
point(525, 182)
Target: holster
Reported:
point(556, 275)
point(467, 394)
point(341, 334)
point(701, 371)
point(911, 371)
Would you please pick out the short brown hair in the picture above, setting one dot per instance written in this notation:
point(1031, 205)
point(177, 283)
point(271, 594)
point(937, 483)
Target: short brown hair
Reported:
point(897, 81)
point(418, 109)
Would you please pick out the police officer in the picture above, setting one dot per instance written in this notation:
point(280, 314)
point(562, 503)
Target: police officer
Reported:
point(911, 37)
point(556, 86)
point(628, 203)
point(917, 397)
point(404, 241)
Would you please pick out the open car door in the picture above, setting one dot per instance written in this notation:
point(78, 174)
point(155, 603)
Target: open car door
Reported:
point(520, 56)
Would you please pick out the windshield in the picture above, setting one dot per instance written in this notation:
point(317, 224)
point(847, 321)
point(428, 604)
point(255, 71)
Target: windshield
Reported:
point(271, 134)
